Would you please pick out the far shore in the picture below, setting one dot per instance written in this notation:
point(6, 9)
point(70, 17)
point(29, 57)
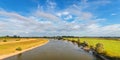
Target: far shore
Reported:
point(2, 57)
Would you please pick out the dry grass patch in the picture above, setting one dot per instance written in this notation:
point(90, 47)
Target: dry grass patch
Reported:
point(13, 46)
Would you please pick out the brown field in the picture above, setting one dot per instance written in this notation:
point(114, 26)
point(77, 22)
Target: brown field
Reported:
point(12, 44)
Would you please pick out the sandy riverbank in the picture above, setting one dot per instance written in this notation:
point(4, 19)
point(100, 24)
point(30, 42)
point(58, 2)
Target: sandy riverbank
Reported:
point(18, 52)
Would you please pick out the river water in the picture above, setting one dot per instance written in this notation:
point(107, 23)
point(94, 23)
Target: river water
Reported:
point(54, 50)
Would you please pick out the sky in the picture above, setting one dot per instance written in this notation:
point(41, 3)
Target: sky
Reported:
point(60, 17)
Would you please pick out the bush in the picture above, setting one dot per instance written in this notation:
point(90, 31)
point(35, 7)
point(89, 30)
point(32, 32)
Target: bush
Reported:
point(4, 40)
point(18, 40)
point(99, 48)
point(18, 48)
point(85, 44)
point(91, 47)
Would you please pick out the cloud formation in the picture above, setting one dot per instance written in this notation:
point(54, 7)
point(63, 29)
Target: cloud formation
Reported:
point(73, 20)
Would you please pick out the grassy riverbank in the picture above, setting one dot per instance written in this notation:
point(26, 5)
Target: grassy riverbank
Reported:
point(111, 46)
point(13, 45)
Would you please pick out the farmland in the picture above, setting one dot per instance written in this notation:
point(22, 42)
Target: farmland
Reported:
point(111, 46)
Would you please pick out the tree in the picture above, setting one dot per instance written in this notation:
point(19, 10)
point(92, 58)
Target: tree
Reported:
point(7, 36)
point(15, 36)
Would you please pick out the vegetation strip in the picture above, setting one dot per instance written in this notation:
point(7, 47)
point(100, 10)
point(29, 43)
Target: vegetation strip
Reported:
point(102, 46)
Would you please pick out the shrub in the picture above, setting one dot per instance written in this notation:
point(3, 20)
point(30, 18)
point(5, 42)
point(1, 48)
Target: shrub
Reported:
point(91, 47)
point(99, 48)
point(18, 48)
point(18, 40)
point(4, 40)
point(85, 43)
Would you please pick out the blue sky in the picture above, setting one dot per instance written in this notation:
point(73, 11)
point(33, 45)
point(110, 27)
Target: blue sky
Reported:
point(60, 17)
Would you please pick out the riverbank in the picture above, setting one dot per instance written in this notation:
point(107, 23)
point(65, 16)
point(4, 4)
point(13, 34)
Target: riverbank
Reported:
point(108, 44)
point(25, 45)
point(54, 50)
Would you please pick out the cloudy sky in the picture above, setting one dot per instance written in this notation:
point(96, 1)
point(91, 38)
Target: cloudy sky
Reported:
point(60, 17)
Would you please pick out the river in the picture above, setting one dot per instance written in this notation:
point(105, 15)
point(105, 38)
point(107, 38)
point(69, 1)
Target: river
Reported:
point(54, 50)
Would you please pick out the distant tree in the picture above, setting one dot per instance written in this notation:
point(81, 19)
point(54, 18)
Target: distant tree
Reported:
point(99, 48)
point(7, 36)
point(59, 38)
point(18, 36)
point(15, 36)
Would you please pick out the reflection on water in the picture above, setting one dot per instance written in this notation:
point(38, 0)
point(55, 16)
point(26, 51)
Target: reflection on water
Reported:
point(19, 56)
point(54, 50)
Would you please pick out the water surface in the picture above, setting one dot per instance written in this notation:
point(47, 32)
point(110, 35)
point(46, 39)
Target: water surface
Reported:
point(54, 50)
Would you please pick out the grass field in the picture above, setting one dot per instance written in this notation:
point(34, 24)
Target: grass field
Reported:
point(13, 44)
point(111, 46)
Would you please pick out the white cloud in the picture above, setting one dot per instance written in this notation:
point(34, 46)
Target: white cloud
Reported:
point(86, 4)
point(86, 16)
point(51, 4)
point(16, 23)
point(102, 2)
point(47, 15)
point(59, 14)
point(13, 15)
point(68, 17)
point(64, 13)
point(108, 30)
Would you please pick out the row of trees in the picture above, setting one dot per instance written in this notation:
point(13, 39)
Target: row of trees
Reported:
point(14, 36)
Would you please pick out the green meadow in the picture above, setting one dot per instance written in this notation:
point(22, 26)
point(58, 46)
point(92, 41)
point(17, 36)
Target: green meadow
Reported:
point(111, 46)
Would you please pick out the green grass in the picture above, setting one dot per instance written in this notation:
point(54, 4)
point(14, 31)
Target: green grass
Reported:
point(111, 46)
